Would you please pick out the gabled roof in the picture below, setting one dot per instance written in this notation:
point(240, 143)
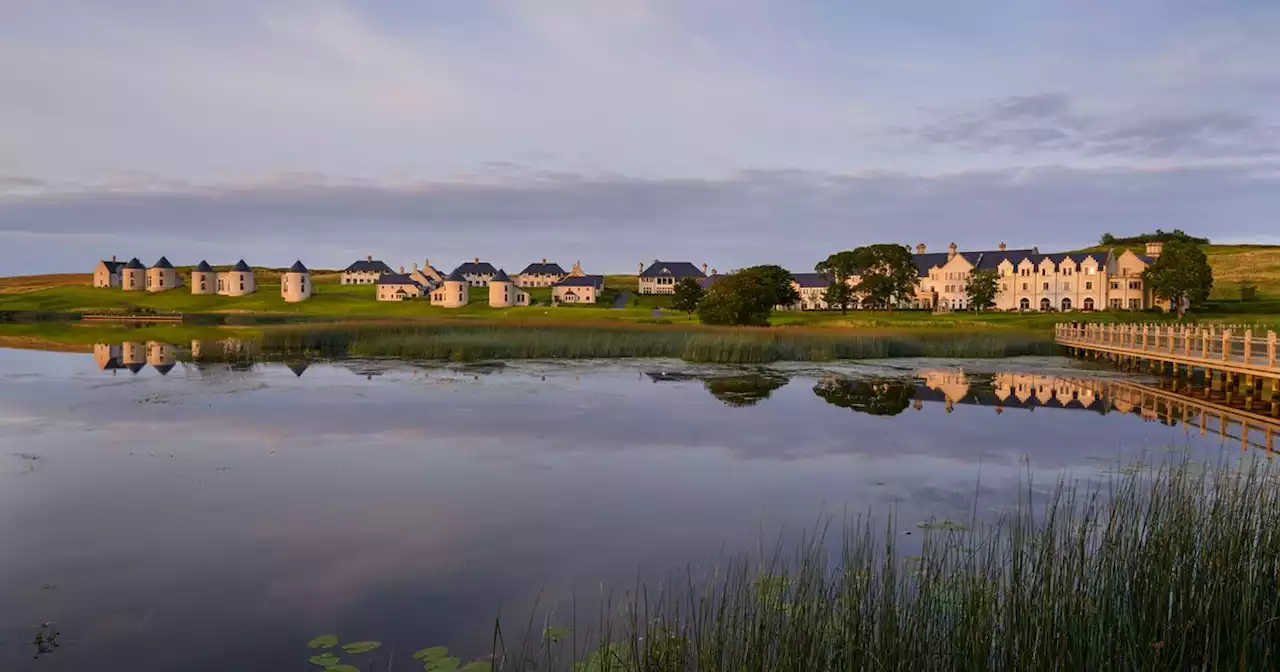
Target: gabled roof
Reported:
point(569, 294)
point(134, 263)
point(456, 276)
point(396, 279)
point(991, 259)
point(500, 276)
point(596, 281)
point(203, 267)
point(297, 267)
point(162, 263)
point(476, 268)
point(811, 280)
point(368, 266)
point(676, 269)
point(241, 267)
point(984, 260)
point(113, 266)
point(542, 269)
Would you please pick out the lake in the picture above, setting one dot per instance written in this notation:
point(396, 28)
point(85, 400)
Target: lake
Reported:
point(165, 514)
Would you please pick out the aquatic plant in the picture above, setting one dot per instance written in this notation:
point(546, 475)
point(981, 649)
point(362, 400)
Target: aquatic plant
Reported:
point(743, 346)
point(1174, 567)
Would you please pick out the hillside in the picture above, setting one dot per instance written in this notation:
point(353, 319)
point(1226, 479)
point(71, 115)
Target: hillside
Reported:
point(1233, 265)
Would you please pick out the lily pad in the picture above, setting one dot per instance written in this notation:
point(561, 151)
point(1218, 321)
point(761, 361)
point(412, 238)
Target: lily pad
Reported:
point(477, 666)
point(324, 660)
point(360, 647)
point(323, 642)
point(431, 653)
point(442, 665)
point(342, 668)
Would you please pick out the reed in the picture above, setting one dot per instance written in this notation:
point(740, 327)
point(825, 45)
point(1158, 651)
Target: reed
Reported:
point(748, 346)
point(1177, 568)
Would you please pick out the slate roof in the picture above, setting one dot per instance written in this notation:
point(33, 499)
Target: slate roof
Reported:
point(113, 266)
point(203, 267)
point(164, 369)
point(500, 276)
point(476, 268)
point(297, 267)
point(136, 367)
point(396, 279)
point(984, 260)
point(162, 263)
point(456, 276)
point(241, 267)
point(811, 280)
point(706, 282)
point(596, 281)
point(366, 266)
point(676, 269)
point(134, 263)
point(543, 269)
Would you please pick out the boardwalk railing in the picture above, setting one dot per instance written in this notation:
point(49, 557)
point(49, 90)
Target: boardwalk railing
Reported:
point(1215, 346)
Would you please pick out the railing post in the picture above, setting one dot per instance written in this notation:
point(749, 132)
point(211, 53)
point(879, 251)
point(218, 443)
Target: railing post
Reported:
point(1248, 345)
point(1226, 344)
point(1204, 344)
point(1271, 349)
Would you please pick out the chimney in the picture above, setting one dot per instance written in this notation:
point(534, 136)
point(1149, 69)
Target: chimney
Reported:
point(544, 260)
point(1154, 248)
point(415, 267)
point(426, 263)
point(369, 258)
point(641, 267)
point(704, 268)
point(1003, 247)
point(113, 257)
point(401, 269)
point(477, 260)
point(951, 251)
point(713, 271)
point(920, 249)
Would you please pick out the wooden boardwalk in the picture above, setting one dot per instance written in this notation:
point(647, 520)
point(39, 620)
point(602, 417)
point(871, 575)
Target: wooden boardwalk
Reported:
point(1212, 348)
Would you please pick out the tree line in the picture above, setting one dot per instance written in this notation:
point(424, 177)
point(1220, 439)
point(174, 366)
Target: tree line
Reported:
point(885, 275)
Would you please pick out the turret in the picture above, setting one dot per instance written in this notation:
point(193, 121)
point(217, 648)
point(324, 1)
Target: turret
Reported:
point(295, 284)
point(203, 279)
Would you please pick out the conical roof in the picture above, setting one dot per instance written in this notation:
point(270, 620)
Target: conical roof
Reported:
point(164, 369)
point(298, 368)
point(136, 367)
point(500, 276)
point(203, 267)
point(134, 263)
point(456, 276)
point(241, 267)
point(297, 267)
point(162, 263)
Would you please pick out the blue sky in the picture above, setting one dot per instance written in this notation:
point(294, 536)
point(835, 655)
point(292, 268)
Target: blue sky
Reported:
point(730, 132)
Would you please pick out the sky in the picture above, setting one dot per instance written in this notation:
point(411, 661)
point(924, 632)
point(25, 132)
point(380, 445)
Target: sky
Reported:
point(615, 132)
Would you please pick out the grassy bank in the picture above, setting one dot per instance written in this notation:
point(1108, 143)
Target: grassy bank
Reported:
point(1177, 570)
point(730, 346)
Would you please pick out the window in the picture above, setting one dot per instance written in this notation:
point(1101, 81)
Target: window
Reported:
point(1066, 271)
point(1135, 285)
point(242, 284)
point(1117, 303)
point(1046, 286)
point(1135, 304)
point(161, 279)
point(1004, 287)
point(1115, 285)
point(1088, 285)
point(1024, 286)
point(202, 285)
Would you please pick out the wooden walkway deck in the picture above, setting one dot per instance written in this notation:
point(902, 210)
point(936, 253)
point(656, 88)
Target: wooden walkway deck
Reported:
point(1213, 348)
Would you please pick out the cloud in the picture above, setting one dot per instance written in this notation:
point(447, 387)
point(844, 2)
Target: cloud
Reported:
point(612, 221)
point(1053, 123)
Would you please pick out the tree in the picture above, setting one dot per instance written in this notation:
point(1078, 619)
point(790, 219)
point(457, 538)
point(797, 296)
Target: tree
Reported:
point(741, 391)
point(1107, 239)
point(686, 295)
point(887, 273)
point(1180, 274)
point(838, 295)
point(982, 288)
point(747, 296)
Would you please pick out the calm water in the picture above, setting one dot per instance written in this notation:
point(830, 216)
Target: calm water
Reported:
point(218, 517)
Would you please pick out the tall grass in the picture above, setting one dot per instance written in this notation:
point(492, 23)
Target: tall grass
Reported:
point(476, 342)
point(1174, 570)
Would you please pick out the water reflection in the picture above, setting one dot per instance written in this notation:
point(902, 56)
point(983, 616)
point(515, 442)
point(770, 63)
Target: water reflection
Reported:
point(257, 499)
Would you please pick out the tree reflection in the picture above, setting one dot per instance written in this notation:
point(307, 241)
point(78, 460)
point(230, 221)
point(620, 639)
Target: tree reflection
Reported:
point(741, 391)
point(876, 397)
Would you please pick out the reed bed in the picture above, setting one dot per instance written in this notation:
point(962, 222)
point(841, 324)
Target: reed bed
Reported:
point(1176, 569)
point(747, 346)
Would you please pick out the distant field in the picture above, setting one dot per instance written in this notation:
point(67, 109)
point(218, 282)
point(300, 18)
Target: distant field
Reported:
point(30, 283)
point(1234, 265)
